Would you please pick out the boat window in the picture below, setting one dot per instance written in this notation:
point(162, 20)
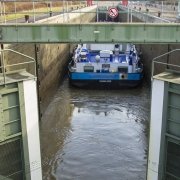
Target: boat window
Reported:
point(83, 56)
point(122, 69)
point(105, 66)
point(88, 68)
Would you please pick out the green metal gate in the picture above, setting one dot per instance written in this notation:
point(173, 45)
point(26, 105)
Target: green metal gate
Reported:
point(11, 166)
point(10, 124)
point(171, 147)
point(11, 146)
point(14, 154)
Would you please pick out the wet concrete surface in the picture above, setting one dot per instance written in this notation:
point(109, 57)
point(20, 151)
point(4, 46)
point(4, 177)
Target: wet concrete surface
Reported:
point(96, 134)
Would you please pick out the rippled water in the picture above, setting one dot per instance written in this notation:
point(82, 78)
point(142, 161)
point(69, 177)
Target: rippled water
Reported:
point(95, 134)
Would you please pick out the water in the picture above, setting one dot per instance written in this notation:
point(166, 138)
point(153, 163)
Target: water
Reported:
point(96, 134)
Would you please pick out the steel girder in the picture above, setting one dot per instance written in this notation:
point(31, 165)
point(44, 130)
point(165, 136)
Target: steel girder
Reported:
point(91, 33)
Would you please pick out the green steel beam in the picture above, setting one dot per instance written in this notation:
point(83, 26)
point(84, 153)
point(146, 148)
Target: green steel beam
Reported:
point(91, 33)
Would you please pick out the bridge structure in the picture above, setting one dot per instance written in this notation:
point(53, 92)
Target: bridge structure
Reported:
point(18, 94)
point(97, 32)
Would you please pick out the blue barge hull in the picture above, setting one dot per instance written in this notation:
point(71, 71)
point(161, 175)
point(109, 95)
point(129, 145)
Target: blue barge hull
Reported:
point(113, 80)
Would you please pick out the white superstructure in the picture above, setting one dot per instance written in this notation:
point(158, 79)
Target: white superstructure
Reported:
point(108, 57)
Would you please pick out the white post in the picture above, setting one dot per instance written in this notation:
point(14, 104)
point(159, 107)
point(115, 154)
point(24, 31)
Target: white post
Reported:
point(155, 129)
point(32, 126)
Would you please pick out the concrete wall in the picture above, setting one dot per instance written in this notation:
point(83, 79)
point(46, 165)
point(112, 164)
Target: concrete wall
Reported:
point(151, 51)
point(123, 16)
point(51, 58)
point(138, 16)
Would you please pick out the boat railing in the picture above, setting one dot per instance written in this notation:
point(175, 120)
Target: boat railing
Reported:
point(169, 66)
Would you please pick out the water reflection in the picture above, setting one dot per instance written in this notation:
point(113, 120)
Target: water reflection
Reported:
point(90, 134)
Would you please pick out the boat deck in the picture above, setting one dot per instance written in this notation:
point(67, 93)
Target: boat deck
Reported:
point(121, 58)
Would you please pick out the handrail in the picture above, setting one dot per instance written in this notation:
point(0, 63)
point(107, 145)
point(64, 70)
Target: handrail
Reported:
point(146, 14)
point(3, 66)
point(16, 52)
point(155, 60)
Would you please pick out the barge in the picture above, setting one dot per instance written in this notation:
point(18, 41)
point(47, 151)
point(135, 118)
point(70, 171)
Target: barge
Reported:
point(105, 65)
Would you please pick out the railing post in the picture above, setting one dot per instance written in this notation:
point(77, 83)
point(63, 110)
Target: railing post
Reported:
point(34, 17)
point(179, 9)
point(4, 12)
point(3, 63)
point(15, 11)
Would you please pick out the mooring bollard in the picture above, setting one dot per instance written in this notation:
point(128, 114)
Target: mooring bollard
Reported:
point(159, 14)
point(50, 13)
point(26, 18)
